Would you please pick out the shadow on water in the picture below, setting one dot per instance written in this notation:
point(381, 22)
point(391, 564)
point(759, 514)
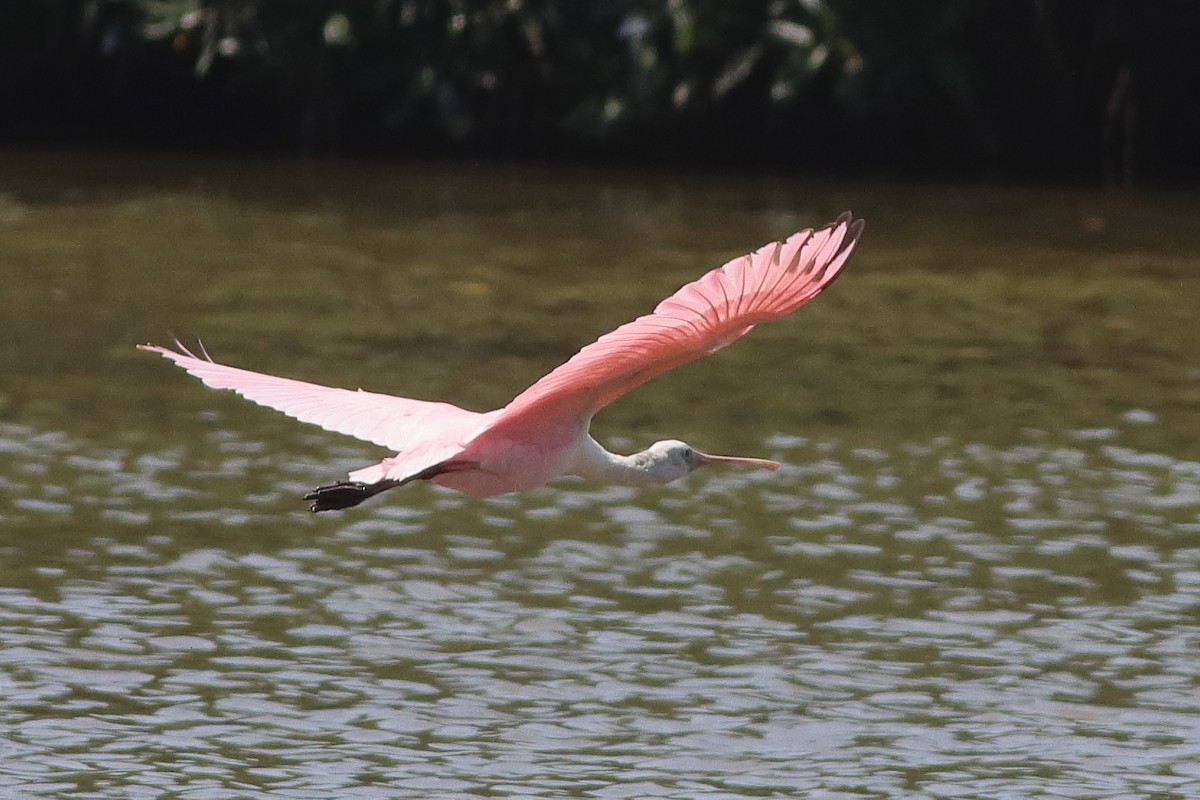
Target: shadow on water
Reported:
point(978, 574)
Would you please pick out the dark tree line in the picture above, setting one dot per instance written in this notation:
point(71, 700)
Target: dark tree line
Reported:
point(1060, 89)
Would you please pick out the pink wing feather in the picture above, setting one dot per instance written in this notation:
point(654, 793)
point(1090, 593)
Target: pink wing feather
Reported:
point(397, 423)
point(699, 319)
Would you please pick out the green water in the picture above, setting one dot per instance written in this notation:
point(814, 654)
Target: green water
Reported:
point(978, 574)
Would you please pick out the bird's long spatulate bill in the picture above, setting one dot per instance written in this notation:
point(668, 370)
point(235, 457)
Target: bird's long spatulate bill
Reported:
point(738, 461)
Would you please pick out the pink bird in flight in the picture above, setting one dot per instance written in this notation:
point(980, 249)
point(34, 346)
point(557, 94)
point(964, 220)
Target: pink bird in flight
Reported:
point(543, 432)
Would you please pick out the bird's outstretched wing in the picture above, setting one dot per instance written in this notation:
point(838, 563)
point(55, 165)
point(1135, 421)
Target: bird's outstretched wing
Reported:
point(394, 422)
point(697, 320)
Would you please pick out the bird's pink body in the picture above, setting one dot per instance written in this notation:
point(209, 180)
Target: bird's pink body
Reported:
point(543, 432)
point(506, 462)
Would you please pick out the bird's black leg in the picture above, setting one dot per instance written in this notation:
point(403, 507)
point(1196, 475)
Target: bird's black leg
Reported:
point(345, 494)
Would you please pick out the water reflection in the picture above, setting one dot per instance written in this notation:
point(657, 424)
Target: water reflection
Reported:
point(934, 618)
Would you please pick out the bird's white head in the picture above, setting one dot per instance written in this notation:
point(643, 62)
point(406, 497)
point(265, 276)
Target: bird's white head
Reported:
point(671, 459)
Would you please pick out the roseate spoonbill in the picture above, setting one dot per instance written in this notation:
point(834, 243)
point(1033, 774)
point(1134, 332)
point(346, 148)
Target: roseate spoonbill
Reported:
point(543, 432)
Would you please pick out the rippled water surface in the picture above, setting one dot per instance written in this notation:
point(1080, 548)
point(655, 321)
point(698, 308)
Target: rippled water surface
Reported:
point(978, 574)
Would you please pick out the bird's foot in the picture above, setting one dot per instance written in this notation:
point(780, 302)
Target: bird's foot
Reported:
point(336, 496)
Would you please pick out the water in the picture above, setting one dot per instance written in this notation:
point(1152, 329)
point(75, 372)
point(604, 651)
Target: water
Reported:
point(978, 574)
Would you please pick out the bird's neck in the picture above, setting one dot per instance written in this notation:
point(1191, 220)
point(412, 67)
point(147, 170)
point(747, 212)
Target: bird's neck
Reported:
point(593, 463)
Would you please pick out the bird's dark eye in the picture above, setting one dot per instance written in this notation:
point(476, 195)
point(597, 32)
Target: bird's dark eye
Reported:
point(689, 454)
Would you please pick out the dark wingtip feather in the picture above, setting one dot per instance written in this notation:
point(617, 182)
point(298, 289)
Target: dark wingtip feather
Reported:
point(854, 227)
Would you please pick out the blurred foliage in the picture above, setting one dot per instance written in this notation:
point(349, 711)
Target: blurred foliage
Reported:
point(1056, 88)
